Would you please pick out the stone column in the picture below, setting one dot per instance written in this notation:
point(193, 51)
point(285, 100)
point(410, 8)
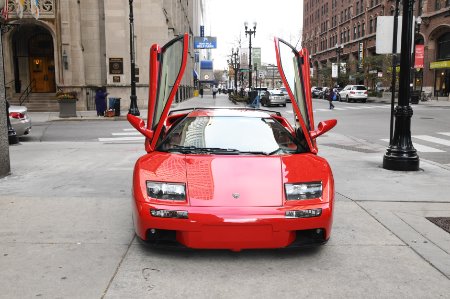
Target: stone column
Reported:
point(5, 167)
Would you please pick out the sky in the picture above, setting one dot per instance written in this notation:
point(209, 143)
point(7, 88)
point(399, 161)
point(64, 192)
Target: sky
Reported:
point(225, 20)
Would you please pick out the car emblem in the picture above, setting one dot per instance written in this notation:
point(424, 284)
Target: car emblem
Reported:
point(236, 195)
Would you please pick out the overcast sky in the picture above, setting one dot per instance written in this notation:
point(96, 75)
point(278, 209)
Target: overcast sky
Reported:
point(225, 20)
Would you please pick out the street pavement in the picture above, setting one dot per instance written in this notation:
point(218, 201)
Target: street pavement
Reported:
point(66, 231)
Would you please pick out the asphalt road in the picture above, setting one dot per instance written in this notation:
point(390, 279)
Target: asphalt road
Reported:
point(366, 122)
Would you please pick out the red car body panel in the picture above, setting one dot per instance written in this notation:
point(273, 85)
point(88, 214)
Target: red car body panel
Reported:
point(216, 219)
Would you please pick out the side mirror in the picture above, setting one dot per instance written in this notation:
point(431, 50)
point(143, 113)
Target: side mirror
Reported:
point(323, 127)
point(139, 125)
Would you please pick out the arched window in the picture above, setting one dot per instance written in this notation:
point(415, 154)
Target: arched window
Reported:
point(371, 25)
point(443, 47)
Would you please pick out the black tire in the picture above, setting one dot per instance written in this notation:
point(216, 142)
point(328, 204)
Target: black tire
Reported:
point(284, 105)
point(363, 101)
point(347, 99)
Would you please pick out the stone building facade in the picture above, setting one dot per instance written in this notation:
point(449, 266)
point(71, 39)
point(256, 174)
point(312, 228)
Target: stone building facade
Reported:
point(346, 30)
point(85, 44)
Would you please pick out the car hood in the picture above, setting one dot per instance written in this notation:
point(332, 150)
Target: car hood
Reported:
point(234, 181)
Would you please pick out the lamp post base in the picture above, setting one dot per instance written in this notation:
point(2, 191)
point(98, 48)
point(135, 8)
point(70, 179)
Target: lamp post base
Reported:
point(133, 106)
point(401, 160)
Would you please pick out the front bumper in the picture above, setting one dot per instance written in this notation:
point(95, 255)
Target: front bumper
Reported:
point(233, 228)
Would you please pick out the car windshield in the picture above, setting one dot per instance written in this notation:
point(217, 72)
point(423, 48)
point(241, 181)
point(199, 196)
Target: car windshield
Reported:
point(230, 135)
point(360, 87)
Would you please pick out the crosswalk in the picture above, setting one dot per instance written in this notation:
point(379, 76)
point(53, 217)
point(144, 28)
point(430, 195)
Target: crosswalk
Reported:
point(433, 144)
point(127, 136)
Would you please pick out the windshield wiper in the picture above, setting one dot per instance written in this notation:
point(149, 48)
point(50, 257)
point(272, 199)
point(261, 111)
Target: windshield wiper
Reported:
point(207, 150)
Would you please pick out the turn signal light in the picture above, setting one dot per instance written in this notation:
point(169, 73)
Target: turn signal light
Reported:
point(169, 214)
point(303, 213)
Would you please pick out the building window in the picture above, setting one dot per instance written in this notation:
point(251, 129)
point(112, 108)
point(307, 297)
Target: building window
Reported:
point(357, 7)
point(447, 3)
point(437, 4)
point(354, 32)
point(359, 30)
point(443, 48)
point(363, 29)
point(370, 25)
point(362, 6)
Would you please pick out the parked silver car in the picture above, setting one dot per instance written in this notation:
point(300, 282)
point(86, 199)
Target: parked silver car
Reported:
point(20, 121)
point(273, 97)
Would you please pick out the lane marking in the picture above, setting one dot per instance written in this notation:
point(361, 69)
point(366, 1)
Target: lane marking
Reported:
point(139, 138)
point(433, 139)
point(444, 133)
point(422, 148)
point(126, 134)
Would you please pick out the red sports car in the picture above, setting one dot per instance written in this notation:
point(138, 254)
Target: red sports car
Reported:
point(224, 178)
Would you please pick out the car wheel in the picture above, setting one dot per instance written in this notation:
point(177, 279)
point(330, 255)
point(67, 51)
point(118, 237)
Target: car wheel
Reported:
point(347, 99)
point(284, 105)
point(364, 101)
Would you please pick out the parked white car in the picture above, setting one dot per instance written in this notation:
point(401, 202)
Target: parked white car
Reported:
point(20, 121)
point(354, 93)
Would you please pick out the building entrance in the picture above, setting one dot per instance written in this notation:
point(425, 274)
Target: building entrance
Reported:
point(41, 63)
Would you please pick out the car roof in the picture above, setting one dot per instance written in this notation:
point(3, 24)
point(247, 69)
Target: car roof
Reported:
point(241, 112)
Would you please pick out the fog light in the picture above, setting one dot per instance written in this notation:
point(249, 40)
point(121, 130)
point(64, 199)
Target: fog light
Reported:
point(169, 214)
point(303, 213)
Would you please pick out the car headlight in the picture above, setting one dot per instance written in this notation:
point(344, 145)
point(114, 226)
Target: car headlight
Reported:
point(166, 191)
point(301, 191)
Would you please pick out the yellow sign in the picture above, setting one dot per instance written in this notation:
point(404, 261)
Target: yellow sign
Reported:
point(440, 64)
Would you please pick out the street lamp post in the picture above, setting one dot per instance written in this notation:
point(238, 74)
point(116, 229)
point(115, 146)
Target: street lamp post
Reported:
point(401, 154)
point(416, 32)
point(133, 98)
point(339, 50)
point(250, 32)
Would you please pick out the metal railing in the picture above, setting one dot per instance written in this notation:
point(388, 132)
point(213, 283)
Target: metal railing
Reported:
point(26, 93)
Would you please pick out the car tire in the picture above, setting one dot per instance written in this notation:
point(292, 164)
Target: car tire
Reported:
point(284, 105)
point(364, 101)
point(347, 99)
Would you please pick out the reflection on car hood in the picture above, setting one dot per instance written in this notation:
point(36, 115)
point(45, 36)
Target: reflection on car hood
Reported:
point(234, 181)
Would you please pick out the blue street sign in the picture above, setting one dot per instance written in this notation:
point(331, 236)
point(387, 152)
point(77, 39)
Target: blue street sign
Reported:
point(205, 42)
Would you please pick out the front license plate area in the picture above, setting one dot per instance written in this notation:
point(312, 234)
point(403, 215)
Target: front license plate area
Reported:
point(237, 233)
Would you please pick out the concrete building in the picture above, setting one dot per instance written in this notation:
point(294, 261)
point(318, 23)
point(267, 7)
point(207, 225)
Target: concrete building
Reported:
point(82, 45)
point(346, 30)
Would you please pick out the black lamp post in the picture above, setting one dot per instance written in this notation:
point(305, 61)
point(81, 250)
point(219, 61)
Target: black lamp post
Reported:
point(401, 154)
point(339, 50)
point(133, 99)
point(250, 32)
point(416, 32)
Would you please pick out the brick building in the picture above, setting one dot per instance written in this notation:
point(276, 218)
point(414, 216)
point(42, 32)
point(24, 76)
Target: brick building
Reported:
point(346, 29)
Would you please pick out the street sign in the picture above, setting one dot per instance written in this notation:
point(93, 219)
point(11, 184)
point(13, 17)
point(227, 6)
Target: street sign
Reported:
point(205, 42)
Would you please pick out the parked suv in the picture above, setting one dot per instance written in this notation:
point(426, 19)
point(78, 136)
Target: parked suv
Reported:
point(317, 92)
point(352, 93)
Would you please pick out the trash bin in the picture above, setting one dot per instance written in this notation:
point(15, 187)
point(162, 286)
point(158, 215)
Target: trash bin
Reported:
point(252, 95)
point(114, 103)
point(415, 96)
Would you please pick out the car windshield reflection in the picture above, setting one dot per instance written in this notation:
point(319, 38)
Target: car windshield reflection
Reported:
point(230, 135)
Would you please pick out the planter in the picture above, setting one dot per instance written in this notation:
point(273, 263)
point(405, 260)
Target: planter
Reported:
point(67, 108)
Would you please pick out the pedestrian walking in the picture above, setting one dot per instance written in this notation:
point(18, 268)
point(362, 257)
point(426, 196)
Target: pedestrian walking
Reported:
point(331, 97)
point(100, 101)
point(201, 92)
point(214, 91)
